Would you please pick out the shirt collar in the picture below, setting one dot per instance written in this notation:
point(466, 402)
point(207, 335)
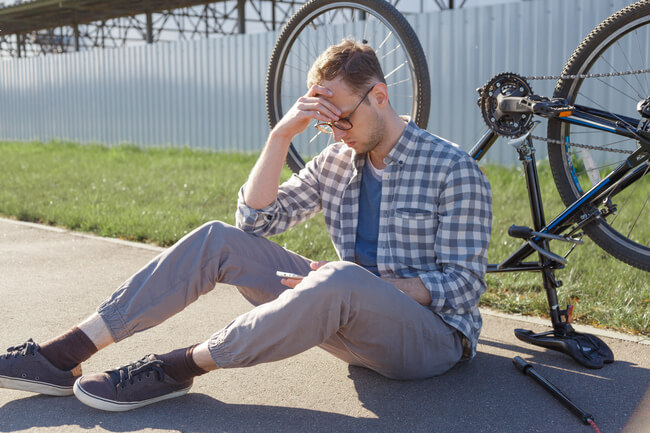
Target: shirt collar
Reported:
point(405, 143)
point(400, 151)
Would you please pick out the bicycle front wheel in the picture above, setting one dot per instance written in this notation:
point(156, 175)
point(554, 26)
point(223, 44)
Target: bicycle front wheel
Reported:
point(618, 44)
point(321, 23)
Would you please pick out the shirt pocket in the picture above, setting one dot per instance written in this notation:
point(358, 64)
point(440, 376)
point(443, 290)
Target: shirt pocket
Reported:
point(414, 236)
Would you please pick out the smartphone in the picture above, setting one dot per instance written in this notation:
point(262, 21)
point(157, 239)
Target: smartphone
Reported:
point(289, 275)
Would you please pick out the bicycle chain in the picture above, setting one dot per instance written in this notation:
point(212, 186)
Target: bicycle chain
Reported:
point(583, 146)
point(580, 77)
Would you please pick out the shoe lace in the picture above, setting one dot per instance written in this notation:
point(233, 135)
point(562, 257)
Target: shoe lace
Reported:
point(29, 347)
point(128, 373)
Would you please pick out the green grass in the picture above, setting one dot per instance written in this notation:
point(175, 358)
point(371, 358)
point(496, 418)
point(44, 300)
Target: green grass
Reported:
point(157, 196)
point(153, 196)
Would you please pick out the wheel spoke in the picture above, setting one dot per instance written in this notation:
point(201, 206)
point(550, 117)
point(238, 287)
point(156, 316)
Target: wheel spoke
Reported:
point(627, 199)
point(395, 70)
point(631, 69)
point(407, 80)
point(638, 216)
point(381, 45)
point(295, 68)
point(391, 52)
point(631, 98)
point(645, 77)
point(605, 109)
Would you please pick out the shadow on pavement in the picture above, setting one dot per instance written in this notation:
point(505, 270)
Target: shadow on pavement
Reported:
point(195, 413)
point(488, 394)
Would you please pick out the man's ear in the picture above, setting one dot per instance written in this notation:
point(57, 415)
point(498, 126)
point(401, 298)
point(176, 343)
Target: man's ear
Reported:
point(380, 92)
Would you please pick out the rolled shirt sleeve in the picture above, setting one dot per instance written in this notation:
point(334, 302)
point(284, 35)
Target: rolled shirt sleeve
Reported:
point(298, 200)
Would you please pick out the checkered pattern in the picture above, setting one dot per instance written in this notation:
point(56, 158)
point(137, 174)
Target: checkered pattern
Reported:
point(435, 217)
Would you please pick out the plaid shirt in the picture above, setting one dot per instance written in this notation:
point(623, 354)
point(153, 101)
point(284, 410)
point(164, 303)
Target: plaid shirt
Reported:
point(435, 218)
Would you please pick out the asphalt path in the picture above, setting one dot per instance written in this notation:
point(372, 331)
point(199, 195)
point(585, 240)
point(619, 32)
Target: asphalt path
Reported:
point(51, 279)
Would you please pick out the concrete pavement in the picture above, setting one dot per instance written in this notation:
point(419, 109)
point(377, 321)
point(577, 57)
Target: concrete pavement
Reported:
point(51, 279)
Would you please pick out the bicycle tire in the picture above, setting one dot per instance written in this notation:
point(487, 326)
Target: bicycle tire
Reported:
point(619, 31)
point(379, 10)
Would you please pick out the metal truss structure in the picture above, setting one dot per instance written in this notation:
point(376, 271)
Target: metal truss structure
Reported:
point(40, 27)
point(44, 27)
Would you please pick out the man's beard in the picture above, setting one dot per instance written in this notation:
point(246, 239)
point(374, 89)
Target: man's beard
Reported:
point(377, 136)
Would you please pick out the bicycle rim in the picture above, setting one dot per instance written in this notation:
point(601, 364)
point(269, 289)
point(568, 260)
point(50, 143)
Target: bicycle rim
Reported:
point(321, 23)
point(620, 43)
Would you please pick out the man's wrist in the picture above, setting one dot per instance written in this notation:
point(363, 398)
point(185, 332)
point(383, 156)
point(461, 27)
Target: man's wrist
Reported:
point(279, 137)
point(413, 287)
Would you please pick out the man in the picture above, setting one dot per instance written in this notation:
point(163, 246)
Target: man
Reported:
point(409, 215)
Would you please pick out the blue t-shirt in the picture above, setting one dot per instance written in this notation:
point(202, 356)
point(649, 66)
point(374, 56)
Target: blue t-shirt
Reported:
point(365, 248)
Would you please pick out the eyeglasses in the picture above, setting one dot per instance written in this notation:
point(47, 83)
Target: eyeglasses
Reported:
point(343, 124)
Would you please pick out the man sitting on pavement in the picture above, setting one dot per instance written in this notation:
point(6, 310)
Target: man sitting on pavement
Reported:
point(409, 215)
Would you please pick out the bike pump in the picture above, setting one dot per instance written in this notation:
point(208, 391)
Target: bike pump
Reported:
point(528, 370)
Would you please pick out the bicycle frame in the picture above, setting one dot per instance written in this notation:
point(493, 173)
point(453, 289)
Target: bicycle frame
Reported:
point(574, 217)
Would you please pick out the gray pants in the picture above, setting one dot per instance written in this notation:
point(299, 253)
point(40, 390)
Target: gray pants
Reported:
point(344, 309)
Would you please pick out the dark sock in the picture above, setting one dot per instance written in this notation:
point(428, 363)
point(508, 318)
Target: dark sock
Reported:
point(68, 350)
point(180, 365)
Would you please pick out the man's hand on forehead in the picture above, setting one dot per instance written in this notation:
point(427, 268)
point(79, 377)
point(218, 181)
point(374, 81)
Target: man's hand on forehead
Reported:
point(318, 90)
point(313, 105)
point(328, 112)
point(322, 91)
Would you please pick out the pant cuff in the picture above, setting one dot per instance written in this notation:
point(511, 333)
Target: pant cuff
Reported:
point(218, 351)
point(114, 321)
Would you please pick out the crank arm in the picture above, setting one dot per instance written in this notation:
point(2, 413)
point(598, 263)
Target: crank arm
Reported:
point(527, 233)
point(548, 254)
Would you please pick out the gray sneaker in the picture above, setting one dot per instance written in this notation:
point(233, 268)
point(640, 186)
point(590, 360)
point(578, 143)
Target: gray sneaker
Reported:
point(24, 368)
point(129, 387)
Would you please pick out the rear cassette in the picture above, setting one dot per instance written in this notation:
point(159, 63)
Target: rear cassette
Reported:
point(503, 123)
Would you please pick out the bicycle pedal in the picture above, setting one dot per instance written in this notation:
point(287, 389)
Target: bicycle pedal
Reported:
point(521, 232)
point(553, 108)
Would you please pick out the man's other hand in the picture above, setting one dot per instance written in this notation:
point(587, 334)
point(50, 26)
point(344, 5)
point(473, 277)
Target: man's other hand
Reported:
point(293, 282)
point(413, 287)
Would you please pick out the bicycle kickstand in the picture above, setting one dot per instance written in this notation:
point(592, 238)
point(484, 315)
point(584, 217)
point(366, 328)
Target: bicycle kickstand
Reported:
point(586, 349)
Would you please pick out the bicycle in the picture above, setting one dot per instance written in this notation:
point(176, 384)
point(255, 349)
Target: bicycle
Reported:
point(602, 182)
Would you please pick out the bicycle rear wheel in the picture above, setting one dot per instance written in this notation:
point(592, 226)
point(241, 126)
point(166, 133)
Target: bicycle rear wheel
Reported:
point(620, 43)
point(321, 23)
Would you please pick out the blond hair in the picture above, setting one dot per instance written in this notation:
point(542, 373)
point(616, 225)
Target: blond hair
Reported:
point(355, 63)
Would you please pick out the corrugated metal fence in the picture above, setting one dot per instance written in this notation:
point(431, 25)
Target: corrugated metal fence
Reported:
point(205, 93)
point(210, 93)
